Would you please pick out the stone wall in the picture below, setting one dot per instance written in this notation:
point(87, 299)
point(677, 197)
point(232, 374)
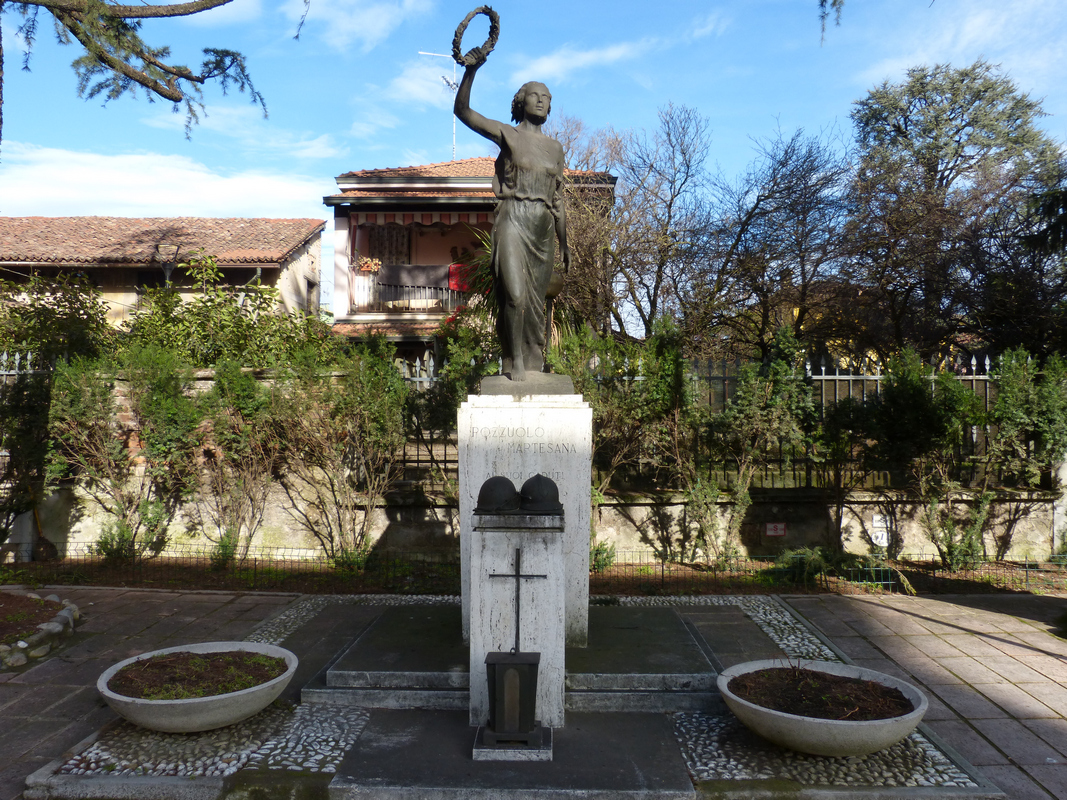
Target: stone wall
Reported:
point(429, 524)
point(786, 519)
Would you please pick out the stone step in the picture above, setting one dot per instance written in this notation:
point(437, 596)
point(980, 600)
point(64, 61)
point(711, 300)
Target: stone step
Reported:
point(652, 682)
point(638, 659)
point(578, 682)
point(458, 699)
point(424, 699)
point(363, 679)
point(644, 701)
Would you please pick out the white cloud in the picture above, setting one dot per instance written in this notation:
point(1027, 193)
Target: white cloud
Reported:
point(417, 86)
point(47, 181)
point(342, 23)
point(245, 123)
point(370, 119)
point(567, 60)
point(420, 82)
point(1023, 36)
point(412, 157)
point(50, 182)
point(235, 12)
point(713, 24)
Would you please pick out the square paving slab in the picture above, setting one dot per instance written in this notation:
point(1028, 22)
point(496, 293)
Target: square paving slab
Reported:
point(638, 659)
point(422, 755)
point(406, 646)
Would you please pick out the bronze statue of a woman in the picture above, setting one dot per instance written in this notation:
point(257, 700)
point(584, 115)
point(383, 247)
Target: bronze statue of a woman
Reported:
point(529, 217)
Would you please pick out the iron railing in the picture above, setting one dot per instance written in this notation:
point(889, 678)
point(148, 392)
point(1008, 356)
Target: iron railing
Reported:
point(419, 573)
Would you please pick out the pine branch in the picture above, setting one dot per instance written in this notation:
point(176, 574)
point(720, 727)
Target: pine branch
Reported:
point(117, 60)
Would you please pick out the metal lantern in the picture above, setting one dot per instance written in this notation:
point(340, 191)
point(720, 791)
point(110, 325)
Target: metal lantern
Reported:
point(512, 699)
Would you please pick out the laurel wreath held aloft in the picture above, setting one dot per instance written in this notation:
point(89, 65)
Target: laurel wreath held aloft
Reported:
point(476, 56)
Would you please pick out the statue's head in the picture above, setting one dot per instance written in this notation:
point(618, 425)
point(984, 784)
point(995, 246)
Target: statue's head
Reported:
point(530, 96)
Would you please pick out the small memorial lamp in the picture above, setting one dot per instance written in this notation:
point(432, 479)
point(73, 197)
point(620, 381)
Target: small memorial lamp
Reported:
point(512, 699)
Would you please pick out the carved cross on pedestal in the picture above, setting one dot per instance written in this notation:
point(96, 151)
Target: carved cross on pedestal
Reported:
point(517, 576)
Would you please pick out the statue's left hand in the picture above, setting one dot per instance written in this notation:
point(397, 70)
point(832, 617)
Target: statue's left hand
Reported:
point(566, 258)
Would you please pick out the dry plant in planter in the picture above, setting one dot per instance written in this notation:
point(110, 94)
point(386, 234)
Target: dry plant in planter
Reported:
point(822, 707)
point(197, 687)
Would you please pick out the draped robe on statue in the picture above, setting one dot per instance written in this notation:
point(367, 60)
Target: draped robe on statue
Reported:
point(528, 181)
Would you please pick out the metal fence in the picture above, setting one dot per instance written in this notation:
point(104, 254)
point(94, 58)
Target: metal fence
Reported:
point(421, 573)
point(15, 370)
point(13, 365)
point(370, 296)
point(430, 457)
point(713, 383)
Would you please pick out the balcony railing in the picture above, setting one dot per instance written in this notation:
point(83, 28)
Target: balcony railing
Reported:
point(368, 295)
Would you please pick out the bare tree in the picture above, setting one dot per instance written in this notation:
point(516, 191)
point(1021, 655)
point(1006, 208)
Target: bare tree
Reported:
point(588, 293)
point(241, 458)
point(660, 211)
point(631, 251)
point(342, 432)
point(769, 250)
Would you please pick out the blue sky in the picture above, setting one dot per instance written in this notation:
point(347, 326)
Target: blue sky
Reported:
point(354, 93)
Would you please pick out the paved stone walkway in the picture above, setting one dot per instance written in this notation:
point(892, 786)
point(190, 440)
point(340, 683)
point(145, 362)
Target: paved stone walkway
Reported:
point(992, 666)
point(48, 708)
point(994, 670)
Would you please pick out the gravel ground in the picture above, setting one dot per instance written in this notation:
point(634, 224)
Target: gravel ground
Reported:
point(721, 748)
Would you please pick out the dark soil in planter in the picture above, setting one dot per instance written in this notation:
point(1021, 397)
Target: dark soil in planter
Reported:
point(20, 615)
point(180, 676)
point(809, 693)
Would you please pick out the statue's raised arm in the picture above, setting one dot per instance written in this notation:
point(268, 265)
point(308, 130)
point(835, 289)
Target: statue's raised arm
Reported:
point(530, 214)
point(472, 60)
point(489, 128)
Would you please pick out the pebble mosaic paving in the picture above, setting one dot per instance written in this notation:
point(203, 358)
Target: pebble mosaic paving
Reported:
point(126, 750)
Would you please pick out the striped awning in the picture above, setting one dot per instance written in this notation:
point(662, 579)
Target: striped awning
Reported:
point(427, 218)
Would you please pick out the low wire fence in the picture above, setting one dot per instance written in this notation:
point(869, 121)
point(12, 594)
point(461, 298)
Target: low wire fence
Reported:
point(261, 570)
point(422, 573)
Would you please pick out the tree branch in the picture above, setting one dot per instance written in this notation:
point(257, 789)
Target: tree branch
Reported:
point(127, 12)
point(73, 24)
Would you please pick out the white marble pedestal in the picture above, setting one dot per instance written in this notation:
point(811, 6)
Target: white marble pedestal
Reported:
point(519, 437)
point(538, 589)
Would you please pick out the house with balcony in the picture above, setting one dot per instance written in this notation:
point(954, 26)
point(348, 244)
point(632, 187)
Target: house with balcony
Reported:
point(123, 256)
point(419, 224)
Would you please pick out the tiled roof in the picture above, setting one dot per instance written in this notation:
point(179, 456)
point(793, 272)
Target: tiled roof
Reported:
point(480, 167)
point(435, 182)
point(122, 240)
point(417, 193)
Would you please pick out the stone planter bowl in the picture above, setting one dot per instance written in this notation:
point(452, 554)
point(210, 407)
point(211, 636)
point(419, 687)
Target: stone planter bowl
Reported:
point(824, 737)
point(199, 713)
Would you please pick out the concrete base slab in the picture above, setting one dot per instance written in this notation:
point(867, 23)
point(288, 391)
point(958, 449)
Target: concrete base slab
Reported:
point(484, 752)
point(407, 755)
point(649, 702)
point(638, 648)
point(730, 636)
point(535, 383)
point(638, 659)
point(407, 647)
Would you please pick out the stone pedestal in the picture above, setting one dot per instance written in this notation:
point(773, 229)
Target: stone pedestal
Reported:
point(519, 437)
point(537, 575)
